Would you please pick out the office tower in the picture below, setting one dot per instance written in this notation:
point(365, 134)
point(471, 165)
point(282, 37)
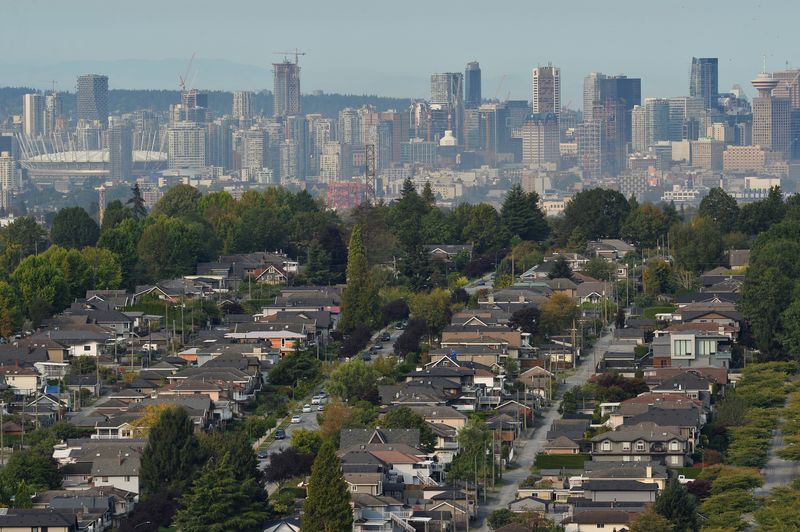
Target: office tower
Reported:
point(547, 90)
point(788, 86)
point(120, 151)
point(400, 129)
point(589, 136)
point(220, 143)
point(193, 108)
point(472, 129)
point(496, 135)
point(591, 92)
point(611, 100)
point(707, 154)
point(639, 142)
point(472, 85)
point(243, 105)
point(297, 131)
point(349, 130)
point(704, 80)
point(32, 114)
point(186, 145)
point(446, 88)
point(93, 98)
point(255, 143)
point(289, 161)
point(771, 117)
point(658, 124)
point(320, 131)
point(53, 113)
point(286, 89)
point(540, 139)
point(684, 110)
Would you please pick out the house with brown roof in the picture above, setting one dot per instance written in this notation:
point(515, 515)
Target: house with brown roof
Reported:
point(597, 520)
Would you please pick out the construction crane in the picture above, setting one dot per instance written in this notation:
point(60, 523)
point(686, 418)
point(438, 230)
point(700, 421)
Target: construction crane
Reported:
point(500, 86)
point(185, 77)
point(297, 53)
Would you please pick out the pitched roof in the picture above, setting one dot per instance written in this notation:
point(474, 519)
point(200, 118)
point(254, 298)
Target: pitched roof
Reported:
point(354, 437)
point(619, 485)
point(591, 517)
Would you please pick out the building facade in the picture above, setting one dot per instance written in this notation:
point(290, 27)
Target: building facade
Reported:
point(704, 80)
point(547, 90)
point(93, 98)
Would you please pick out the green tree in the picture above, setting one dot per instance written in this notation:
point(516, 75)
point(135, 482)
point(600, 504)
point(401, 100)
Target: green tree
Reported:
point(405, 223)
point(427, 196)
point(35, 467)
point(74, 228)
point(433, 307)
point(757, 217)
point(327, 505)
point(73, 267)
point(558, 314)
point(123, 241)
point(172, 454)
point(25, 237)
point(597, 213)
point(658, 278)
point(527, 320)
point(104, 268)
point(697, 245)
point(561, 269)
point(600, 269)
point(645, 226)
point(171, 247)
point(651, 521)
point(500, 518)
point(769, 286)
point(115, 212)
point(405, 418)
point(11, 315)
point(521, 216)
point(295, 367)
point(360, 304)
point(236, 446)
point(318, 267)
point(41, 283)
point(219, 501)
point(136, 203)
point(678, 506)
point(473, 441)
point(352, 381)
point(721, 208)
point(306, 441)
point(484, 230)
point(181, 201)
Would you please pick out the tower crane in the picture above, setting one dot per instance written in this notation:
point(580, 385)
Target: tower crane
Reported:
point(296, 53)
point(185, 77)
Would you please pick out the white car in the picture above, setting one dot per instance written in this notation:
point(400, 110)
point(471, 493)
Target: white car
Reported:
point(315, 400)
point(306, 409)
point(321, 408)
point(296, 419)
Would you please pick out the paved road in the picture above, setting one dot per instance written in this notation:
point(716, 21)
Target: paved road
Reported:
point(480, 284)
point(777, 472)
point(526, 455)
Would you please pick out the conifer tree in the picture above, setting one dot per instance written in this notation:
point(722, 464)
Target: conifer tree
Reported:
point(360, 298)
point(327, 505)
point(219, 501)
point(172, 454)
point(679, 506)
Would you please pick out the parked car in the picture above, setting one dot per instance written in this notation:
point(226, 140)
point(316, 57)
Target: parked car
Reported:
point(263, 454)
point(366, 357)
point(400, 326)
point(386, 337)
point(315, 400)
point(320, 408)
point(296, 418)
point(280, 434)
point(306, 408)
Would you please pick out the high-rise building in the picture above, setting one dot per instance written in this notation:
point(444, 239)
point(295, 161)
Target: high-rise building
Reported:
point(611, 100)
point(286, 89)
point(349, 127)
point(704, 80)
point(591, 93)
point(120, 151)
point(186, 145)
point(472, 85)
point(7, 179)
point(547, 90)
point(32, 114)
point(93, 98)
point(772, 116)
point(788, 86)
point(220, 143)
point(53, 113)
point(684, 110)
point(243, 105)
point(255, 143)
point(540, 139)
point(658, 125)
point(639, 139)
point(447, 88)
point(589, 136)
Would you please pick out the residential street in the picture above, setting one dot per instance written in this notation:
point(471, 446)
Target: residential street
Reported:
point(529, 448)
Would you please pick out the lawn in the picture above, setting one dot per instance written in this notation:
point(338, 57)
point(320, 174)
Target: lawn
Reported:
point(557, 461)
point(652, 311)
point(688, 472)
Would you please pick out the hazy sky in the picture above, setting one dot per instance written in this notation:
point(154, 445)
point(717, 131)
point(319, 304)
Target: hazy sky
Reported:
point(391, 48)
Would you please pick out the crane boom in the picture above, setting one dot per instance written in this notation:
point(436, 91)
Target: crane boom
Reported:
point(296, 53)
point(182, 79)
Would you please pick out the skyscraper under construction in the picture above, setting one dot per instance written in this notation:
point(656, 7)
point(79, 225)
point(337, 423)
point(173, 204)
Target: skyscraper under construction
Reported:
point(286, 93)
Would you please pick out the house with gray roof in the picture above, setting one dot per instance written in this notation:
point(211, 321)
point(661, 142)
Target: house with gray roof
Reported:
point(644, 442)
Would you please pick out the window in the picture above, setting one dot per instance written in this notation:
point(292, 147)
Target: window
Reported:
point(626, 446)
point(105, 479)
point(87, 348)
point(127, 479)
point(674, 446)
point(681, 348)
point(640, 446)
point(355, 488)
point(606, 445)
point(707, 347)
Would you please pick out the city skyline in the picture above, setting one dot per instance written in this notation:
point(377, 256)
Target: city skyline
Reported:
point(243, 61)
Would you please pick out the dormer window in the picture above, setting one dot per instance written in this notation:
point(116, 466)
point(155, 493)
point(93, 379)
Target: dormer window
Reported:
point(640, 446)
point(606, 445)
